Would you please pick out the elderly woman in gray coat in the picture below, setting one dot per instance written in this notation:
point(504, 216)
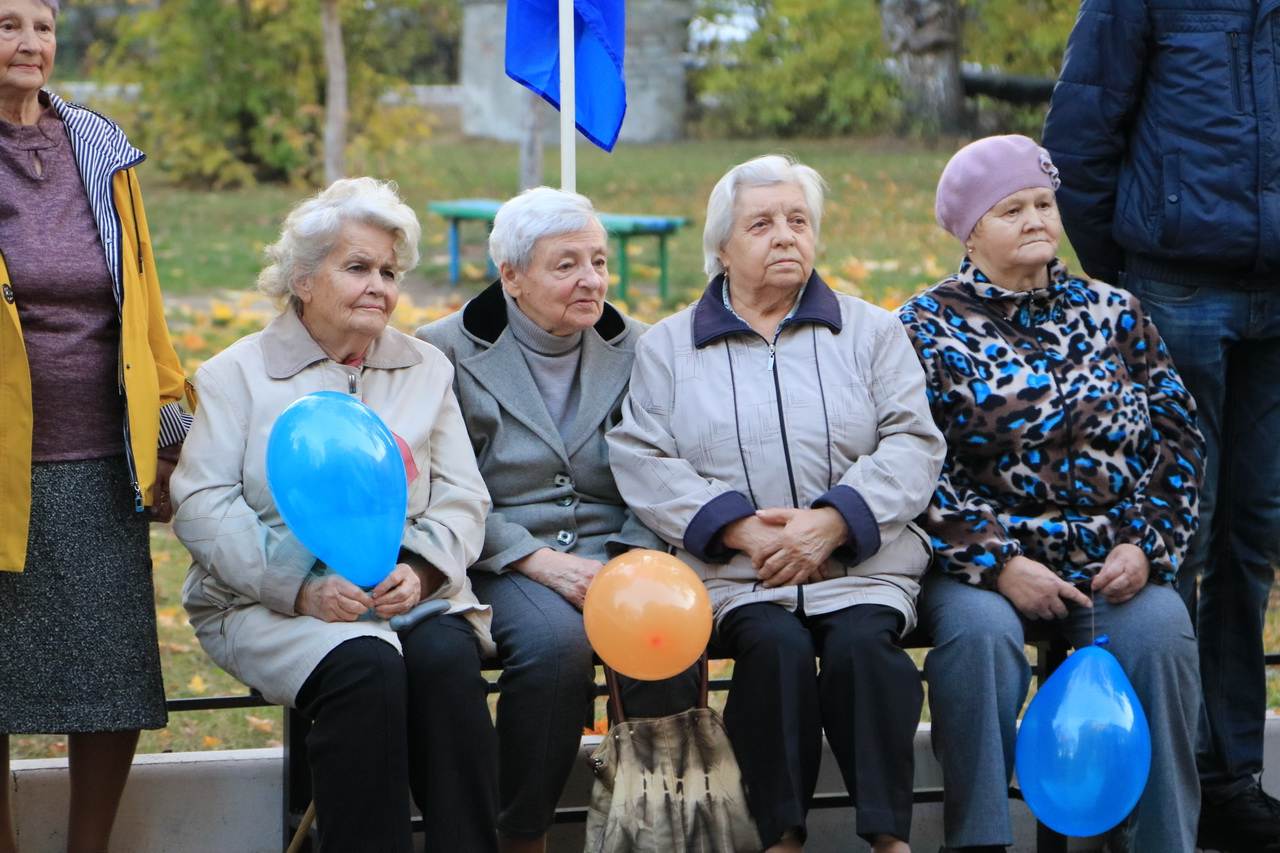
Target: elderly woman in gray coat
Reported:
point(777, 434)
point(541, 369)
point(392, 713)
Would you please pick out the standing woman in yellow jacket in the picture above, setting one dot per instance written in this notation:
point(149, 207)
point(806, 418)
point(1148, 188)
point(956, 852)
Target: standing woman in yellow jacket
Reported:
point(88, 389)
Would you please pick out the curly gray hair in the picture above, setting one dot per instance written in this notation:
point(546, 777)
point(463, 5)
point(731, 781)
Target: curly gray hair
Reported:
point(313, 227)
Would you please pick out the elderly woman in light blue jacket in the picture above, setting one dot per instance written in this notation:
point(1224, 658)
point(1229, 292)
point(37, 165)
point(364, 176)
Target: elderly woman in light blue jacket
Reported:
point(542, 364)
point(777, 434)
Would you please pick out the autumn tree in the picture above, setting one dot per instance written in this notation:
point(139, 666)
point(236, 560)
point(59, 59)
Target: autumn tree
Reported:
point(828, 67)
point(235, 91)
point(923, 37)
point(335, 102)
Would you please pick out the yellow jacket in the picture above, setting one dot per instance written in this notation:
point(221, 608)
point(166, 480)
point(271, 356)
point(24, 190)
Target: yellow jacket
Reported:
point(151, 375)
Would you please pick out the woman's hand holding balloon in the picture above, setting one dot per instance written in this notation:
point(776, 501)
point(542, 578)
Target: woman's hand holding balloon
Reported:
point(804, 542)
point(567, 574)
point(1123, 575)
point(398, 592)
point(332, 598)
point(1036, 591)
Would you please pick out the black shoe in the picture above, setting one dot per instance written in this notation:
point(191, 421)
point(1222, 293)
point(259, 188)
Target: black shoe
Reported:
point(1249, 822)
point(984, 848)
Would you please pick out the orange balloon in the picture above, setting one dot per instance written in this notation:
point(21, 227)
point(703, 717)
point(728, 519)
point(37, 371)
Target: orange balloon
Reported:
point(647, 615)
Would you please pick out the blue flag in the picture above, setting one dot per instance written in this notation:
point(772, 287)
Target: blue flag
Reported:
point(599, 34)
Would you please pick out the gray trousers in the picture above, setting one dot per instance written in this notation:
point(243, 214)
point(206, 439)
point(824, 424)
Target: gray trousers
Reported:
point(978, 676)
point(545, 692)
point(545, 696)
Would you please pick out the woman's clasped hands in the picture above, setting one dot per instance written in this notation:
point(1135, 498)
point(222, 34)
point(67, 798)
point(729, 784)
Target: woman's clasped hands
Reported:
point(788, 546)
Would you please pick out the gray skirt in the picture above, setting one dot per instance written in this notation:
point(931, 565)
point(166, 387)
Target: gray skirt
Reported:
point(78, 649)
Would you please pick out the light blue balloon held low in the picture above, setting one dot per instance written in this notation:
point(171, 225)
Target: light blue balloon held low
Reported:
point(1084, 747)
point(337, 477)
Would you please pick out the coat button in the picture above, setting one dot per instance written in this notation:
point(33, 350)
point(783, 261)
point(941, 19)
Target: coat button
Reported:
point(8, 293)
point(567, 500)
point(565, 537)
point(1173, 198)
point(562, 480)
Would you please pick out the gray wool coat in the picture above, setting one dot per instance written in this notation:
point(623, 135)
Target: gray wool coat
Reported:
point(721, 422)
point(547, 492)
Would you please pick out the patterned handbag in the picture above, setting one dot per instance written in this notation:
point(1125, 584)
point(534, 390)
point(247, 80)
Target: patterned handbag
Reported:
point(668, 785)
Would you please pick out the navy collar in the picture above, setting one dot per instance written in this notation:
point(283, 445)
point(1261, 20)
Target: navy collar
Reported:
point(713, 321)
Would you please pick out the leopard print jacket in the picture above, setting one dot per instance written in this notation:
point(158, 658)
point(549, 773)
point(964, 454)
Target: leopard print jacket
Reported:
point(1068, 429)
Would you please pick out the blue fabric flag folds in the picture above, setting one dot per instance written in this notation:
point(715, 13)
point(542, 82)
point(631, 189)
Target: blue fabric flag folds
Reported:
point(533, 60)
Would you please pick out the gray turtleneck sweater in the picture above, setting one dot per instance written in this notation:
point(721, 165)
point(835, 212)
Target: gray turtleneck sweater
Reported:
point(553, 360)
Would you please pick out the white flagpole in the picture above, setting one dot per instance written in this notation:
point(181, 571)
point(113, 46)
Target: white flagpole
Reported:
point(568, 106)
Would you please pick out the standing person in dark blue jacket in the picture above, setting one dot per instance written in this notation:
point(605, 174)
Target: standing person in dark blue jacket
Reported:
point(1165, 125)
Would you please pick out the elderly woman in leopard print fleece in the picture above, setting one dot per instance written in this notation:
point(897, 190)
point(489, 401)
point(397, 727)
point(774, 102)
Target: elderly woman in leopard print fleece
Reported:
point(1068, 494)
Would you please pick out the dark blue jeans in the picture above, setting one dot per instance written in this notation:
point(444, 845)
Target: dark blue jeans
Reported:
point(1226, 345)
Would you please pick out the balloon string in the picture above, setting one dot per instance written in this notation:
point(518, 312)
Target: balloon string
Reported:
point(1093, 617)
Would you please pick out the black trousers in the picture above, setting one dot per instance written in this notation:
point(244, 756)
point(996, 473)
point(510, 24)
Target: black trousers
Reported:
point(384, 726)
point(867, 698)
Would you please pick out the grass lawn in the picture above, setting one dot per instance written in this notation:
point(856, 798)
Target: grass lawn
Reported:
point(878, 239)
point(878, 232)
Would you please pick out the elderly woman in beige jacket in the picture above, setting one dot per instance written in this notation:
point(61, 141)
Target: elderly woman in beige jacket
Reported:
point(777, 435)
point(392, 714)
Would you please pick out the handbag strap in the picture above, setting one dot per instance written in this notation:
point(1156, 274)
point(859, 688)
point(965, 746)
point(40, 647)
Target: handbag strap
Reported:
point(615, 693)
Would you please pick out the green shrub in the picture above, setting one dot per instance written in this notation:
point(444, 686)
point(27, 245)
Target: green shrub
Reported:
point(233, 90)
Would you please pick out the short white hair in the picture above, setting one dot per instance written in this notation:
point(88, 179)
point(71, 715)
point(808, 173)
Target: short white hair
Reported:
point(534, 214)
point(763, 171)
point(313, 227)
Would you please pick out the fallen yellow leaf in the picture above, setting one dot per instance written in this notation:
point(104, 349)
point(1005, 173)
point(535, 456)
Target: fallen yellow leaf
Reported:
point(890, 300)
point(221, 312)
point(855, 270)
point(258, 724)
point(211, 742)
point(192, 341)
point(197, 685)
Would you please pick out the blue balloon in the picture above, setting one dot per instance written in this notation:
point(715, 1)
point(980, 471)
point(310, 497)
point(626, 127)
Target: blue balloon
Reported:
point(337, 477)
point(1084, 747)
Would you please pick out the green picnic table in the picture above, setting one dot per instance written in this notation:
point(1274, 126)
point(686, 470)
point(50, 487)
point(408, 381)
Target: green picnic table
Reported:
point(622, 227)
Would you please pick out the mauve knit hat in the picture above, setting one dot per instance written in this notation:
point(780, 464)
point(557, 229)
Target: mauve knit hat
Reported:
point(985, 171)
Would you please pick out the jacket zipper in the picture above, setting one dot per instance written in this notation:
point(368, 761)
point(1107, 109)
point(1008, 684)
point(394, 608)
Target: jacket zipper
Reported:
point(1236, 99)
point(353, 385)
point(782, 421)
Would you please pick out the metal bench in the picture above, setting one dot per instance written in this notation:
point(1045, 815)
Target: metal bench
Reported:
point(621, 226)
point(297, 773)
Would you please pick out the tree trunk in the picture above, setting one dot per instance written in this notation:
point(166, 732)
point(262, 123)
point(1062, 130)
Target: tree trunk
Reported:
point(924, 38)
point(335, 102)
point(531, 144)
